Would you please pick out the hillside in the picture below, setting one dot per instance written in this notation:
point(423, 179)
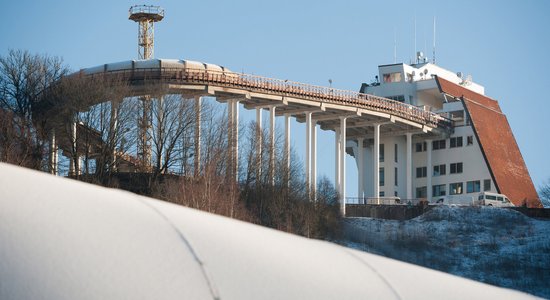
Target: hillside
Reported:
point(496, 246)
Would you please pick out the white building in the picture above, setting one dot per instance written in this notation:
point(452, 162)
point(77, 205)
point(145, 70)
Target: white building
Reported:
point(479, 154)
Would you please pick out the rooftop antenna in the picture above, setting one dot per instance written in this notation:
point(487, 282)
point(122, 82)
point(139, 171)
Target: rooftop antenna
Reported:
point(433, 57)
point(146, 16)
point(394, 45)
point(416, 60)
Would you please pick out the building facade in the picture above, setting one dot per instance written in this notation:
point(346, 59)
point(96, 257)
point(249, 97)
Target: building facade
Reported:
point(478, 154)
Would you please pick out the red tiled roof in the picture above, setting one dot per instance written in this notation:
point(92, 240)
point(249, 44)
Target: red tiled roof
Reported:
point(497, 144)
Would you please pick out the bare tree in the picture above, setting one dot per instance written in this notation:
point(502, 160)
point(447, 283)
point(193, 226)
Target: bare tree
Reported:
point(23, 79)
point(544, 193)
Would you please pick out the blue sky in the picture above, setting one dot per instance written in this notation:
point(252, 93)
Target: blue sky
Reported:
point(503, 45)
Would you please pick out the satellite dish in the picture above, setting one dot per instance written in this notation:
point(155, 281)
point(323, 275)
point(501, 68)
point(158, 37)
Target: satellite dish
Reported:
point(425, 71)
point(459, 75)
point(413, 73)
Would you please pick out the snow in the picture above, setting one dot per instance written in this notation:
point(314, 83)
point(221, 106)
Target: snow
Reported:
point(497, 246)
point(63, 239)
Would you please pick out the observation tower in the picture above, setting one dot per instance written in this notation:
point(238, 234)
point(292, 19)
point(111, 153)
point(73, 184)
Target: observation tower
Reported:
point(146, 16)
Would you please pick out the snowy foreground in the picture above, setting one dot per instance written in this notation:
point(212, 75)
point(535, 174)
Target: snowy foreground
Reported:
point(62, 239)
point(497, 246)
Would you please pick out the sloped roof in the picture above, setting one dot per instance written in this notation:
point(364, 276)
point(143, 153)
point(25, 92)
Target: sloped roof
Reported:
point(65, 239)
point(497, 142)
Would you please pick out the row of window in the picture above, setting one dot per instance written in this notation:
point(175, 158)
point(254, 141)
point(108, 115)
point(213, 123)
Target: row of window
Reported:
point(439, 170)
point(456, 188)
point(381, 178)
point(454, 142)
point(381, 153)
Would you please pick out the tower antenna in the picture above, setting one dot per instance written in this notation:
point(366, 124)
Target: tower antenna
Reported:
point(433, 57)
point(414, 52)
point(146, 16)
point(394, 45)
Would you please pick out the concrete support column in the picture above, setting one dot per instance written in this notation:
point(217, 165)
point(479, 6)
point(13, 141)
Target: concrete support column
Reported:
point(308, 154)
point(233, 136)
point(74, 161)
point(376, 163)
point(343, 165)
point(160, 131)
point(230, 141)
point(197, 142)
point(144, 151)
point(259, 142)
point(360, 170)
point(408, 163)
point(337, 159)
point(236, 136)
point(113, 129)
point(287, 148)
point(272, 145)
point(429, 170)
point(53, 156)
point(314, 159)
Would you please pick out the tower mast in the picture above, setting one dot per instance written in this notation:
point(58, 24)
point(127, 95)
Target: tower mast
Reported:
point(146, 16)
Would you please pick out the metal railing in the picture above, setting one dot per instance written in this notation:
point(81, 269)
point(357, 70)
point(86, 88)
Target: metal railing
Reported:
point(280, 87)
point(146, 9)
point(384, 201)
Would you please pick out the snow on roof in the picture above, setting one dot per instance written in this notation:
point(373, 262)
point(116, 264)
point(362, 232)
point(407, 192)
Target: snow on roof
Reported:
point(63, 239)
point(153, 64)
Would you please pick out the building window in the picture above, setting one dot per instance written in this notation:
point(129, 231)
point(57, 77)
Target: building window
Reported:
point(473, 186)
point(456, 142)
point(456, 168)
point(395, 194)
point(381, 194)
point(439, 144)
point(381, 153)
point(381, 174)
point(421, 192)
point(395, 176)
point(421, 172)
point(438, 190)
point(487, 185)
point(421, 147)
point(469, 140)
point(395, 153)
point(439, 170)
point(400, 98)
point(455, 188)
point(392, 77)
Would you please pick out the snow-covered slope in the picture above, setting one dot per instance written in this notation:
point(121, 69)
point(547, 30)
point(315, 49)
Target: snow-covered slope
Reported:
point(62, 239)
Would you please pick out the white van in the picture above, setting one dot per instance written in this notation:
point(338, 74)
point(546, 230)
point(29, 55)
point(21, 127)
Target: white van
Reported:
point(493, 199)
point(455, 200)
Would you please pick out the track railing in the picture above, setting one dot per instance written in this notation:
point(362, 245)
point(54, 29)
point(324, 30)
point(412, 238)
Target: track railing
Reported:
point(254, 83)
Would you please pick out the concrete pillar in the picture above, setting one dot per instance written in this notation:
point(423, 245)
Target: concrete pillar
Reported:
point(376, 164)
point(236, 136)
point(272, 145)
point(343, 165)
point(53, 156)
point(314, 159)
point(230, 136)
point(74, 162)
point(113, 129)
point(337, 159)
point(259, 136)
point(144, 136)
point(197, 155)
point(360, 170)
point(287, 148)
point(408, 163)
point(429, 170)
point(233, 136)
point(308, 153)
point(160, 130)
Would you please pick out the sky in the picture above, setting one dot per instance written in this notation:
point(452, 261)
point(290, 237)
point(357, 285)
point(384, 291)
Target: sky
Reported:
point(503, 47)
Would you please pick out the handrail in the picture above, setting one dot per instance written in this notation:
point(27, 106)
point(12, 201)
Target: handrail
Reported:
point(283, 88)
